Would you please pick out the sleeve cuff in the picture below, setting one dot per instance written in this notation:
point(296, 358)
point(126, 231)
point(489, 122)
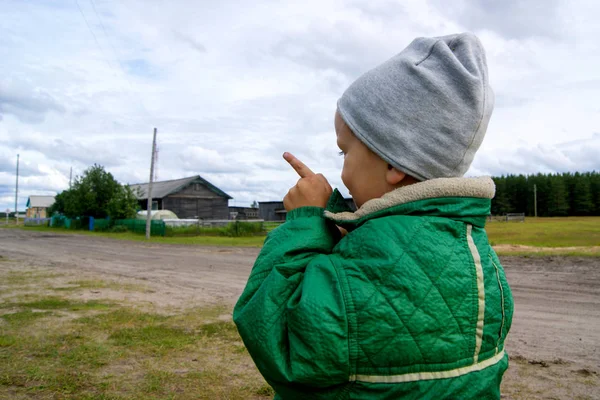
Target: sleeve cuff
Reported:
point(303, 212)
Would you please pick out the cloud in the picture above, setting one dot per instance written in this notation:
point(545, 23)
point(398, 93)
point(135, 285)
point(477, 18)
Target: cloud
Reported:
point(27, 104)
point(572, 156)
point(196, 158)
point(60, 149)
point(8, 163)
point(141, 68)
point(513, 19)
point(193, 43)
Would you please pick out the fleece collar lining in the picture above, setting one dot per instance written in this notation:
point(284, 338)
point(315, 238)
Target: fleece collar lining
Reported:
point(481, 187)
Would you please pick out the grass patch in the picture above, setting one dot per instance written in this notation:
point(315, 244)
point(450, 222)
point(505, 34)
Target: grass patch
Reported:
point(90, 284)
point(252, 241)
point(100, 284)
point(115, 352)
point(547, 232)
point(24, 316)
point(223, 329)
point(152, 337)
point(535, 253)
point(121, 318)
point(26, 277)
point(7, 341)
point(57, 303)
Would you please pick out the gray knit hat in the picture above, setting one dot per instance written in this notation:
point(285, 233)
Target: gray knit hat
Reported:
point(424, 111)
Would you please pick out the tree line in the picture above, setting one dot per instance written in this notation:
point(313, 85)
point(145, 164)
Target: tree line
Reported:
point(566, 194)
point(98, 194)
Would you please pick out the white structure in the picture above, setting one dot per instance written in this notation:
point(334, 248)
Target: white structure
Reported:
point(157, 214)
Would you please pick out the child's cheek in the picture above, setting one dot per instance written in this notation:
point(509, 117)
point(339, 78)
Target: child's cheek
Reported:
point(346, 175)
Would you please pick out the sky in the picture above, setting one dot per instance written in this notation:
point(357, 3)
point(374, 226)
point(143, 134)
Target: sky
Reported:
point(231, 85)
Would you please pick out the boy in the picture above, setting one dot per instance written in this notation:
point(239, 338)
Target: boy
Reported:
point(412, 302)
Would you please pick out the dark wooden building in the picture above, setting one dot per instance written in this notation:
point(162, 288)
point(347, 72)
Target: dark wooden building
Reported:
point(192, 197)
point(243, 213)
point(271, 210)
point(275, 211)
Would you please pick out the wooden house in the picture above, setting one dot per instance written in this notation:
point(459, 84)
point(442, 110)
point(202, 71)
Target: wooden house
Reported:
point(192, 197)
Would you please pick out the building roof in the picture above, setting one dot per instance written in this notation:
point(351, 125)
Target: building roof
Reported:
point(164, 188)
point(40, 201)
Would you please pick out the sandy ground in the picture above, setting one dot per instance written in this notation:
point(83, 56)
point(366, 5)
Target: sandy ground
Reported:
point(554, 342)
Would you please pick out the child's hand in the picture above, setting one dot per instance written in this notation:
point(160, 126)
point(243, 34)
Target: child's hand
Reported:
point(312, 190)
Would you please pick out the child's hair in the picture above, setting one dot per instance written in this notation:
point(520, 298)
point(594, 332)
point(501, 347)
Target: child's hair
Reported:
point(426, 110)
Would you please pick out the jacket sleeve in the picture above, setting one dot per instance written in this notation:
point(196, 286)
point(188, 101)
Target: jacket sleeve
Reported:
point(291, 315)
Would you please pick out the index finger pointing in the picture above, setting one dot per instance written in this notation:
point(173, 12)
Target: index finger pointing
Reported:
point(298, 165)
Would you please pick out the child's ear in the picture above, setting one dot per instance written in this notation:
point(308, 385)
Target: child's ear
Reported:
point(393, 176)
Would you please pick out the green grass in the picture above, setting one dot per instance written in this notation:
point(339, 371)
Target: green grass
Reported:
point(100, 284)
point(123, 353)
point(65, 348)
point(152, 338)
point(535, 253)
point(251, 241)
point(547, 232)
point(27, 277)
point(21, 317)
point(57, 303)
point(555, 235)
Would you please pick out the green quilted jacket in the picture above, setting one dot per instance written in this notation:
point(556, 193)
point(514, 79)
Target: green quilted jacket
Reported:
point(411, 304)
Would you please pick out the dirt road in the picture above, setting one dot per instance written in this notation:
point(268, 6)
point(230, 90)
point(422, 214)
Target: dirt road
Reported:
point(556, 326)
point(179, 274)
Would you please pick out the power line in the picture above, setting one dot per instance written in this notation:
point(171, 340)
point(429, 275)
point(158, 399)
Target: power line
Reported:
point(93, 34)
point(103, 28)
point(117, 58)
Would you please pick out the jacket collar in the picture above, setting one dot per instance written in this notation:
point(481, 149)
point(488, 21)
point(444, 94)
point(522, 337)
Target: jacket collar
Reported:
point(477, 188)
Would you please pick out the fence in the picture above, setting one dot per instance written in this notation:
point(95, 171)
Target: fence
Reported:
point(519, 217)
point(100, 225)
point(191, 227)
point(515, 217)
point(58, 221)
point(36, 221)
point(216, 228)
point(177, 223)
point(157, 227)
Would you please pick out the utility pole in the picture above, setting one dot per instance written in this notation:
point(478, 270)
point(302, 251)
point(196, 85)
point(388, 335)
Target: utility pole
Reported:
point(17, 193)
point(70, 177)
point(535, 199)
point(149, 206)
